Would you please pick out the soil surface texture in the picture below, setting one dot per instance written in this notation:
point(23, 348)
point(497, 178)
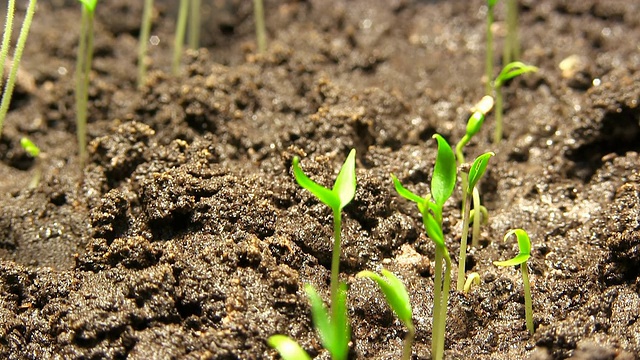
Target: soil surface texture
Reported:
point(186, 235)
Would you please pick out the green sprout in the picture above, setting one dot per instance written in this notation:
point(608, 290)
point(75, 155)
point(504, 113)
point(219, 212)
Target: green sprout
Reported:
point(510, 71)
point(261, 31)
point(521, 259)
point(34, 151)
point(17, 56)
point(476, 171)
point(472, 279)
point(343, 191)
point(143, 41)
point(488, 70)
point(288, 348)
point(442, 185)
point(194, 24)
point(83, 68)
point(511, 51)
point(181, 26)
point(398, 298)
point(334, 329)
point(477, 217)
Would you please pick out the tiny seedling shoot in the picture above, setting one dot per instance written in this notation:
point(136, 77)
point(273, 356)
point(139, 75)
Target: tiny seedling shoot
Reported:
point(476, 171)
point(521, 259)
point(143, 41)
point(194, 24)
point(181, 27)
point(4, 51)
point(83, 68)
point(261, 30)
point(34, 151)
point(288, 348)
point(442, 185)
point(398, 299)
point(510, 71)
point(472, 279)
point(488, 70)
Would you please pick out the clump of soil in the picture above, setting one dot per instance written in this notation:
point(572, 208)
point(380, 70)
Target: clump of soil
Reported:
point(186, 236)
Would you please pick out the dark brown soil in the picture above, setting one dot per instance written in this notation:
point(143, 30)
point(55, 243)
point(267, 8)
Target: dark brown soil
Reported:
point(186, 235)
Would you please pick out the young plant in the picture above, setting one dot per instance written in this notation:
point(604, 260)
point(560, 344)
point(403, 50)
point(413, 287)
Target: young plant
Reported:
point(511, 51)
point(334, 329)
point(17, 56)
point(34, 151)
point(442, 185)
point(261, 31)
point(476, 171)
point(194, 24)
point(181, 26)
point(83, 68)
point(472, 279)
point(488, 69)
point(398, 299)
point(510, 71)
point(521, 259)
point(143, 41)
point(288, 348)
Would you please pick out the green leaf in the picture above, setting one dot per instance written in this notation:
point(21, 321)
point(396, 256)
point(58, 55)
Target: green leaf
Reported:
point(89, 4)
point(322, 193)
point(30, 147)
point(492, 3)
point(524, 243)
point(434, 230)
point(345, 185)
point(512, 70)
point(444, 172)
point(288, 348)
point(405, 193)
point(395, 293)
point(477, 170)
point(334, 332)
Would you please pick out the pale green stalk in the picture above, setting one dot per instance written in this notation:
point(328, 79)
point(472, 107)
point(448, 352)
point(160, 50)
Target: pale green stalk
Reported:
point(22, 40)
point(6, 37)
point(488, 70)
point(194, 24)
point(181, 26)
point(335, 260)
point(408, 341)
point(477, 218)
point(528, 306)
point(143, 41)
point(83, 69)
point(261, 31)
point(463, 241)
point(512, 44)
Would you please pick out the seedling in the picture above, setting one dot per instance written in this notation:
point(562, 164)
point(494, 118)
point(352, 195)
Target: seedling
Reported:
point(181, 26)
point(442, 185)
point(143, 40)
point(83, 68)
point(398, 299)
point(17, 56)
point(511, 51)
point(34, 151)
point(194, 24)
point(334, 329)
point(510, 71)
point(288, 348)
point(521, 259)
point(476, 171)
point(472, 279)
point(488, 70)
point(261, 31)
point(343, 191)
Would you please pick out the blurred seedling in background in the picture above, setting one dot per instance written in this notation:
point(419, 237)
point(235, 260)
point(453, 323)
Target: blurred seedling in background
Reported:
point(143, 41)
point(181, 29)
point(442, 185)
point(261, 30)
point(34, 151)
point(476, 171)
point(83, 69)
point(488, 70)
point(288, 348)
point(524, 244)
point(17, 55)
point(398, 299)
point(510, 71)
point(511, 50)
point(333, 327)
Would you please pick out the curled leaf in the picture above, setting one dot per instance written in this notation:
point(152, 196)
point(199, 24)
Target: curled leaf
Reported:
point(395, 293)
point(525, 249)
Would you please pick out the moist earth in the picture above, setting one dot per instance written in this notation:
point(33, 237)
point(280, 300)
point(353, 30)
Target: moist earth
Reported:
point(186, 235)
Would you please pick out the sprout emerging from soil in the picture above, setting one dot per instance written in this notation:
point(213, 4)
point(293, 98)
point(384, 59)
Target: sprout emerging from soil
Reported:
point(34, 151)
point(442, 185)
point(83, 68)
point(477, 170)
point(521, 259)
point(398, 299)
point(261, 30)
point(288, 348)
point(143, 40)
point(17, 56)
point(472, 279)
point(343, 191)
point(510, 71)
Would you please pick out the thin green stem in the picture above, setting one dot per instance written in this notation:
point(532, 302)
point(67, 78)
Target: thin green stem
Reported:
point(459, 146)
point(528, 306)
point(181, 25)
point(477, 218)
point(143, 41)
point(335, 260)
point(261, 31)
point(512, 46)
point(408, 341)
point(11, 81)
point(194, 24)
point(463, 242)
point(6, 38)
point(85, 56)
point(497, 135)
point(437, 304)
point(443, 308)
point(488, 70)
